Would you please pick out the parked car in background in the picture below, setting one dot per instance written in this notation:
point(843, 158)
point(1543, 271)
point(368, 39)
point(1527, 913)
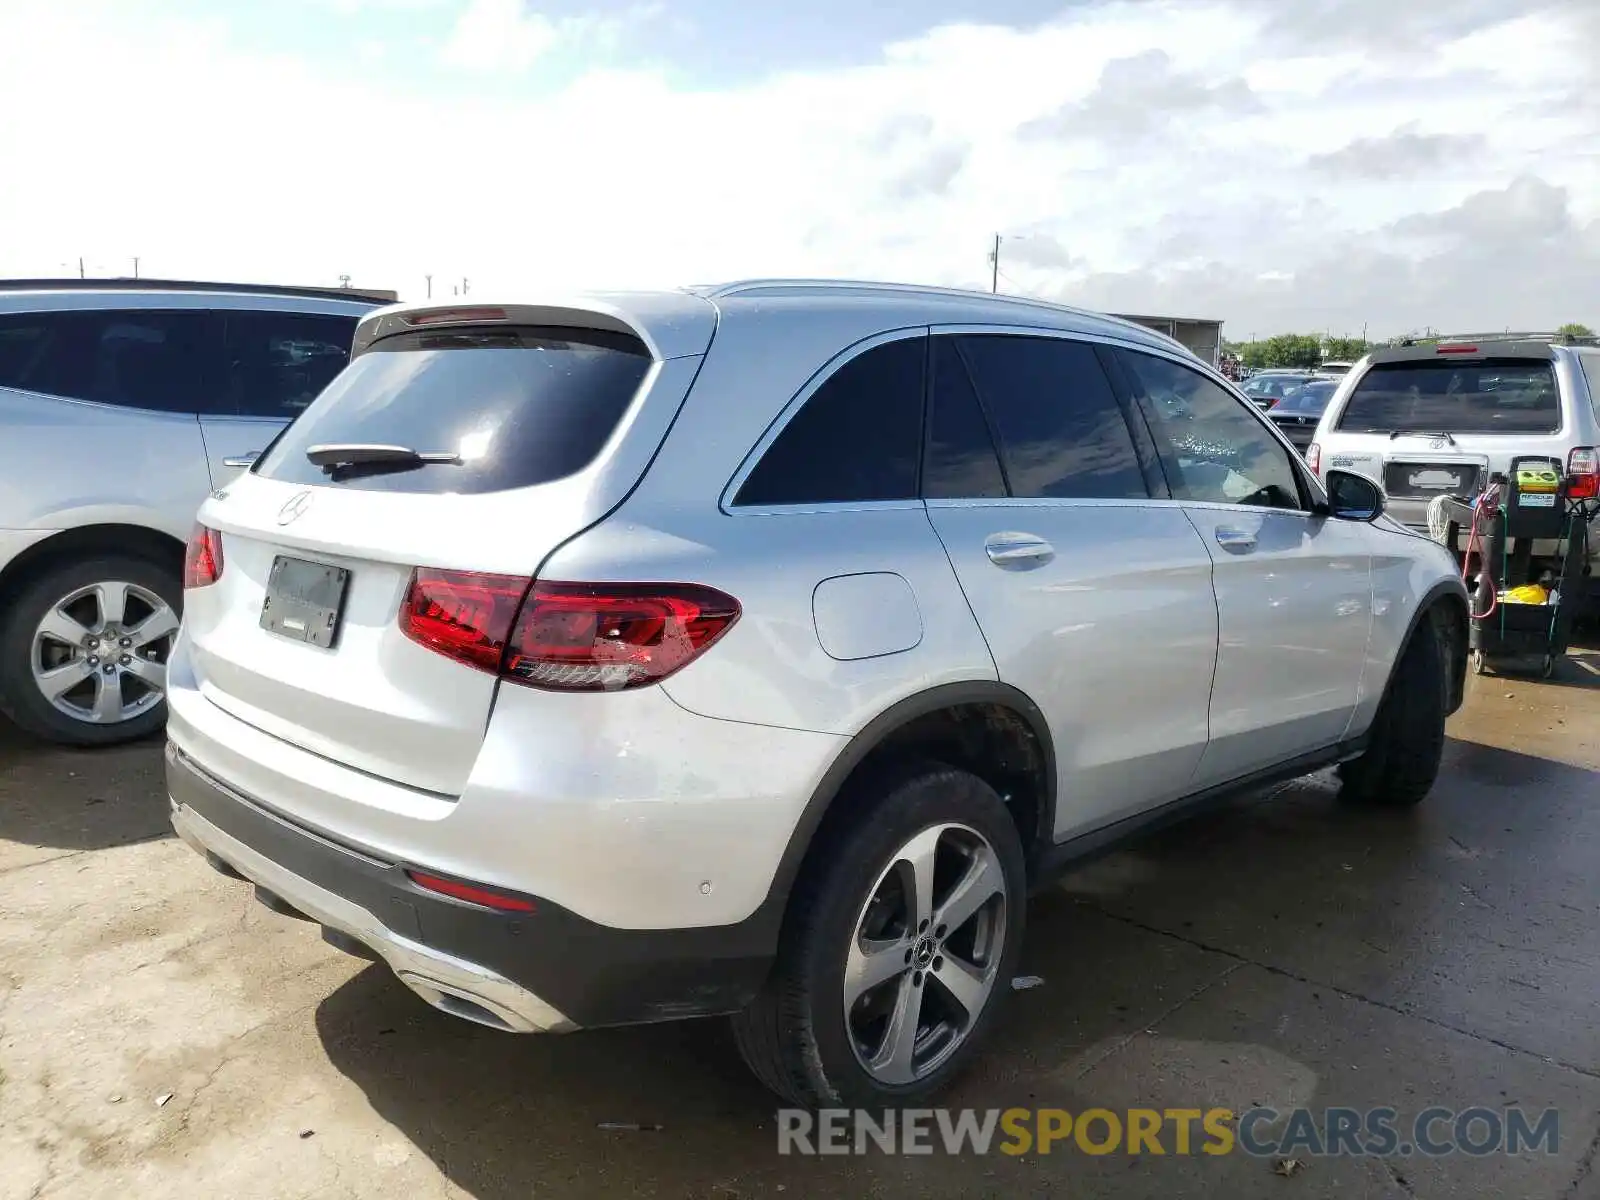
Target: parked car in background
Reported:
point(754, 649)
point(1298, 413)
point(1266, 388)
point(1431, 420)
point(1335, 367)
point(122, 404)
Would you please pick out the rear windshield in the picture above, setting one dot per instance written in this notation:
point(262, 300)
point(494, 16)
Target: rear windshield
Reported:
point(1492, 395)
point(519, 406)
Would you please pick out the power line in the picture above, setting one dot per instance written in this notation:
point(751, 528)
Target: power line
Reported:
point(1020, 289)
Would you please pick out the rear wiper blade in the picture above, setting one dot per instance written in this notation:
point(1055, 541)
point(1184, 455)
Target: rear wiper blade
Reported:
point(1444, 433)
point(331, 456)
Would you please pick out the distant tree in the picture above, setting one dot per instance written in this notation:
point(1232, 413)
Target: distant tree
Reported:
point(1344, 349)
point(1253, 354)
point(1576, 330)
point(1293, 350)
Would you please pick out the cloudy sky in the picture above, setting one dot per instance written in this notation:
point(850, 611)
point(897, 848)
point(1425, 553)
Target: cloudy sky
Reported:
point(1306, 164)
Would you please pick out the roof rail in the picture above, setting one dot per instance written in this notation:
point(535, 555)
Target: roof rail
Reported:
point(126, 283)
point(1553, 338)
point(718, 291)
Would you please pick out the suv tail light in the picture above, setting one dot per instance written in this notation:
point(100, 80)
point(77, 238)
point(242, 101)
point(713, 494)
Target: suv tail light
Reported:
point(464, 615)
point(1314, 458)
point(1583, 466)
point(583, 637)
point(202, 558)
point(570, 637)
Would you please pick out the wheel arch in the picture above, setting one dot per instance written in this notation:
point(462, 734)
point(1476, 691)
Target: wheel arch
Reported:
point(84, 541)
point(1445, 601)
point(880, 736)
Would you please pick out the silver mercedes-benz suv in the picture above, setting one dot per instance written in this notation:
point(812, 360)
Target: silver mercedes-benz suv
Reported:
point(122, 403)
point(754, 649)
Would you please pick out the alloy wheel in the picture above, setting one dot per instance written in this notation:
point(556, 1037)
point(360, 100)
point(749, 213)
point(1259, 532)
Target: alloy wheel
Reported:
point(99, 654)
point(925, 953)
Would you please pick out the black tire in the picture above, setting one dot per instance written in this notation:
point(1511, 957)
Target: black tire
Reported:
point(794, 1037)
point(1407, 737)
point(20, 697)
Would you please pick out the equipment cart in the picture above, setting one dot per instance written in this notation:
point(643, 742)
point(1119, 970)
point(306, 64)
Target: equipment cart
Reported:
point(1521, 615)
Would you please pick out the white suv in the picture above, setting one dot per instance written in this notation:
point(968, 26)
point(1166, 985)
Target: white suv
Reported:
point(1439, 419)
point(752, 650)
point(122, 404)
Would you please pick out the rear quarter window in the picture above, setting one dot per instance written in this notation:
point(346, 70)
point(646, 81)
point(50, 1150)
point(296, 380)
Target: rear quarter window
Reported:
point(1486, 396)
point(519, 406)
point(1590, 360)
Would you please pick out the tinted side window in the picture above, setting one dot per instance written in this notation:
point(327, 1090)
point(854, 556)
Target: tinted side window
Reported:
point(856, 439)
point(130, 358)
point(1212, 448)
point(1061, 430)
point(24, 341)
point(961, 462)
point(279, 362)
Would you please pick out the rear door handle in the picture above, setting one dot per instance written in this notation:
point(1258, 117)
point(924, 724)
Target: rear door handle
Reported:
point(1230, 538)
point(242, 460)
point(1006, 548)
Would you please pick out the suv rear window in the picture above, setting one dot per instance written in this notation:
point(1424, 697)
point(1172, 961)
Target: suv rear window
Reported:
point(520, 406)
point(1492, 395)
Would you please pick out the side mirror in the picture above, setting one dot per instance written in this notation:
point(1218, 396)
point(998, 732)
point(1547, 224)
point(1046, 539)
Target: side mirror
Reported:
point(1353, 497)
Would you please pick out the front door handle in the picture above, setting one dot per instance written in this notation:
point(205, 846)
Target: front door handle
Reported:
point(1005, 549)
point(242, 460)
point(1230, 538)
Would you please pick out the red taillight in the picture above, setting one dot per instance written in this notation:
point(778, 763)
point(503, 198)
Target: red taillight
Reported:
point(594, 637)
point(464, 615)
point(1314, 458)
point(1456, 349)
point(569, 637)
point(202, 560)
point(1583, 469)
point(470, 893)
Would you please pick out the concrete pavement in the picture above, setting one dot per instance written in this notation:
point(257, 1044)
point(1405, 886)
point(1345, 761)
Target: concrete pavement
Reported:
point(1283, 951)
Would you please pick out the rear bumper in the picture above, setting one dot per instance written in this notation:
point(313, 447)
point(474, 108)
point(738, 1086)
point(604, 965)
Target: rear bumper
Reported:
point(545, 971)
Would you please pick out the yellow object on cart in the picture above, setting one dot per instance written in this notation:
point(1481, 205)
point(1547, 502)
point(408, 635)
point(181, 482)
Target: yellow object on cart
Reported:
point(1537, 479)
point(1528, 593)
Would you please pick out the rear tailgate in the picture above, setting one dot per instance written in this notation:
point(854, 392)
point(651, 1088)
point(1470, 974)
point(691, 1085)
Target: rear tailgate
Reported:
point(550, 432)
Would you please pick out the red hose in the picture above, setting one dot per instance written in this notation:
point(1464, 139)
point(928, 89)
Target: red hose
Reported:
point(1466, 559)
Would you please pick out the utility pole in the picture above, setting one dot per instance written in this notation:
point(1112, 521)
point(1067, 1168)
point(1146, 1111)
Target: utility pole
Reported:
point(463, 285)
point(80, 266)
point(994, 260)
point(429, 278)
point(136, 266)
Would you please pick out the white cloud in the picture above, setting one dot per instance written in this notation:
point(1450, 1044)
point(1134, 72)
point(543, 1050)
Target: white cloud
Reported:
point(499, 35)
point(1166, 154)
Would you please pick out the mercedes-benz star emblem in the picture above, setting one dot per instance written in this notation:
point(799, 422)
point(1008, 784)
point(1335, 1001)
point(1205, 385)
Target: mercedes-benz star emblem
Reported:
point(294, 506)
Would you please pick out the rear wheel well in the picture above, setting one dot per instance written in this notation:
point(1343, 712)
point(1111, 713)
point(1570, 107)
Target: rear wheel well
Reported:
point(989, 739)
point(88, 541)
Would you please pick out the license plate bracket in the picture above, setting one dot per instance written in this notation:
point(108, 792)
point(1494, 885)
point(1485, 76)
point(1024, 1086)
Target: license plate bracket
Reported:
point(304, 601)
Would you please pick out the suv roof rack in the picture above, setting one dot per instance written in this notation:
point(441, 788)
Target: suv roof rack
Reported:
point(127, 283)
point(1553, 338)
